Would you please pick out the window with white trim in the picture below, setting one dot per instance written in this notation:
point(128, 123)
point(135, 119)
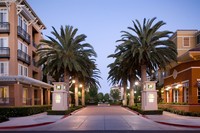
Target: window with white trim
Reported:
point(4, 68)
point(22, 22)
point(4, 94)
point(198, 94)
point(186, 41)
point(23, 47)
point(185, 92)
point(175, 95)
point(3, 15)
point(25, 95)
point(22, 70)
point(167, 96)
point(3, 41)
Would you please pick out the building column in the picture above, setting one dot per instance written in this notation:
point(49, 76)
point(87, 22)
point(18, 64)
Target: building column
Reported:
point(31, 94)
point(41, 95)
point(18, 94)
point(47, 96)
point(83, 96)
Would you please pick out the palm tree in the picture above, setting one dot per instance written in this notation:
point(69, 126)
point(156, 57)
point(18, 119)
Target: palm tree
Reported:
point(150, 48)
point(117, 74)
point(67, 54)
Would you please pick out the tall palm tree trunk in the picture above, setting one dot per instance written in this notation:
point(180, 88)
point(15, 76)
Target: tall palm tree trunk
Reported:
point(76, 91)
point(143, 75)
point(66, 79)
point(131, 101)
point(124, 95)
point(83, 95)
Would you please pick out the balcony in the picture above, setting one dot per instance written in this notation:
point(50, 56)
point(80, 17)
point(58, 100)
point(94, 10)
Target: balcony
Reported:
point(4, 27)
point(4, 52)
point(24, 57)
point(23, 34)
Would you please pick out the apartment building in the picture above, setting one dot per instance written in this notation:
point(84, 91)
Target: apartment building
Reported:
point(20, 33)
point(182, 84)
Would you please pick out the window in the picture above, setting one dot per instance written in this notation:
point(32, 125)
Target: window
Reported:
point(3, 68)
point(186, 41)
point(3, 15)
point(167, 96)
point(198, 39)
point(185, 92)
point(175, 95)
point(3, 42)
point(22, 47)
point(22, 23)
point(198, 94)
point(4, 94)
point(25, 95)
point(22, 70)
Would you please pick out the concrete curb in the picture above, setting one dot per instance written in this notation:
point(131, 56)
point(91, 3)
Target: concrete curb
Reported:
point(165, 123)
point(39, 124)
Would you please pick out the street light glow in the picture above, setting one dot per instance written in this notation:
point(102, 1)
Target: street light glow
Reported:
point(136, 83)
point(73, 81)
point(80, 85)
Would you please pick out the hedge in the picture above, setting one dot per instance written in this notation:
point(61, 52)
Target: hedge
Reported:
point(146, 112)
point(180, 112)
point(61, 112)
point(3, 118)
point(23, 111)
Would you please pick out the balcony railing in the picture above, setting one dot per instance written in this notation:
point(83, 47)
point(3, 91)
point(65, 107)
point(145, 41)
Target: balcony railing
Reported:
point(4, 52)
point(7, 101)
point(24, 57)
point(23, 34)
point(4, 27)
point(27, 101)
point(34, 44)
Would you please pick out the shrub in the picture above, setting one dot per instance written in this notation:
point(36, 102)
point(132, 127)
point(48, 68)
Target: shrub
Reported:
point(23, 111)
point(146, 112)
point(63, 112)
point(3, 118)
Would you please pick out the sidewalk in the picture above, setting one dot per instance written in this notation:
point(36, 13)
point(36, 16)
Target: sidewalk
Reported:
point(175, 120)
point(30, 121)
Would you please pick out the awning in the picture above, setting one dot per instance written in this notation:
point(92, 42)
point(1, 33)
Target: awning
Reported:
point(24, 79)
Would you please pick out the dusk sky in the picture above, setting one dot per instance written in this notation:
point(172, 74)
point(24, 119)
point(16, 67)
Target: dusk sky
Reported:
point(102, 20)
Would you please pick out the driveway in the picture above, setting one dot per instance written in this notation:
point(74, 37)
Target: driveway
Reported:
point(103, 118)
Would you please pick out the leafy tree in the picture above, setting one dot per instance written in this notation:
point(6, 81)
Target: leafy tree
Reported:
point(106, 97)
point(114, 93)
point(100, 96)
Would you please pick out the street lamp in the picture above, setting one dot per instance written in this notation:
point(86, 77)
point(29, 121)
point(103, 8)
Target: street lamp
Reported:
point(80, 85)
point(136, 83)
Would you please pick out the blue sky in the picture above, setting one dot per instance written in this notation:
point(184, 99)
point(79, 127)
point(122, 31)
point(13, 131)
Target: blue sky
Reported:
point(102, 20)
